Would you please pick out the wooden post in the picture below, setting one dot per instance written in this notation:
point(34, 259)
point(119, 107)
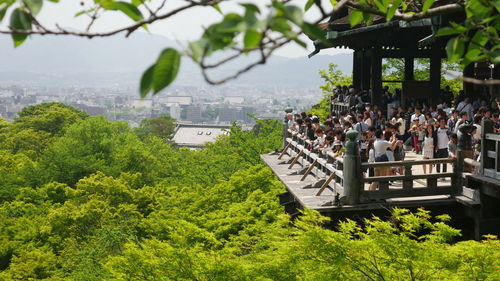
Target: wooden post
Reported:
point(409, 76)
point(487, 162)
point(408, 182)
point(352, 169)
point(435, 74)
point(376, 76)
point(409, 69)
point(468, 87)
point(357, 58)
point(365, 70)
point(464, 150)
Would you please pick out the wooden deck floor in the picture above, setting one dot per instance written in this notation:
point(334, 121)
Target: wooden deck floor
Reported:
point(305, 194)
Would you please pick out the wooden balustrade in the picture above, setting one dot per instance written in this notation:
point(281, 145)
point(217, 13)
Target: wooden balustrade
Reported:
point(323, 167)
point(339, 107)
point(319, 164)
point(408, 178)
point(490, 151)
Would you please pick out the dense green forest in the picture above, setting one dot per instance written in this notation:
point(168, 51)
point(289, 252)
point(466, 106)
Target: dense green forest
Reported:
point(83, 198)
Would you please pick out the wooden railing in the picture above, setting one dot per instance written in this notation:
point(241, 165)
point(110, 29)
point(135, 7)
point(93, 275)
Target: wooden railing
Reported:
point(337, 173)
point(408, 179)
point(339, 107)
point(490, 151)
point(322, 165)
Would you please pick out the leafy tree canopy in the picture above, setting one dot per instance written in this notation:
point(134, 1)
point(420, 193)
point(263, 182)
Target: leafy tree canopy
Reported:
point(162, 127)
point(103, 204)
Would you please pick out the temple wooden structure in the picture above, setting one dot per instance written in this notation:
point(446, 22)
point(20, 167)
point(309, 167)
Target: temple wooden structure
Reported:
point(399, 39)
point(336, 186)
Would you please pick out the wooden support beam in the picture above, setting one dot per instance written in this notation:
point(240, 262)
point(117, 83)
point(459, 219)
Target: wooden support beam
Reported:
point(325, 185)
point(285, 150)
point(296, 159)
point(309, 170)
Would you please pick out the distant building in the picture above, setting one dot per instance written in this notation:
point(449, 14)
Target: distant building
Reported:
point(193, 114)
point(174, 110)
point(234, 100)
point(227, 115)
point(181, 100)
point(142, 103)
point(195, 136)
point(243, 114)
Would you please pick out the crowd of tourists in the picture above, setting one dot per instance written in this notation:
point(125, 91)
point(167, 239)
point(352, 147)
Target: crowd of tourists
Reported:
point(386, 136)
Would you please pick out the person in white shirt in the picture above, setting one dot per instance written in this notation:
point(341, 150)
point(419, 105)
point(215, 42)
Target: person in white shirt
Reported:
point(441, 144)
point(428, 150)
point(446, 109)
point(380, 146)
point(418, 116)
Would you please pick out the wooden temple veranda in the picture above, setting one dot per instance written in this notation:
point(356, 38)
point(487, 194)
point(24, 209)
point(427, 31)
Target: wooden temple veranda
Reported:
point(337, 188)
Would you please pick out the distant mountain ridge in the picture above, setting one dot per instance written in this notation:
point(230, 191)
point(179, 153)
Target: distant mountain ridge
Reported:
point(66, 61)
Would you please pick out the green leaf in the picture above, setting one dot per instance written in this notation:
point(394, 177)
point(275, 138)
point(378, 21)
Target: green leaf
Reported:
point(480, 38)
point(34, 6)
point(333, 2)
point(368, 18)
point(166, 69)
point(251, 7)
point(313, 31)
point(294, 14)
point(147, 81)
point(355, 18)
point(392, 10)
point(308, 5)
point(494, 56)
point(80, 13)
point(198, 49)
point(3, 10)
point(19, 20)
point(232, 23)
point(128, 9)
point(455, 49)
point(217, 8)
point(252, 39)
point(445, 31)
point(280, 25)
point(380, 5)
point(427, 5)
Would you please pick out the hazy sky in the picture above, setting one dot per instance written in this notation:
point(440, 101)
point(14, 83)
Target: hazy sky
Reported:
point(184, 26)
